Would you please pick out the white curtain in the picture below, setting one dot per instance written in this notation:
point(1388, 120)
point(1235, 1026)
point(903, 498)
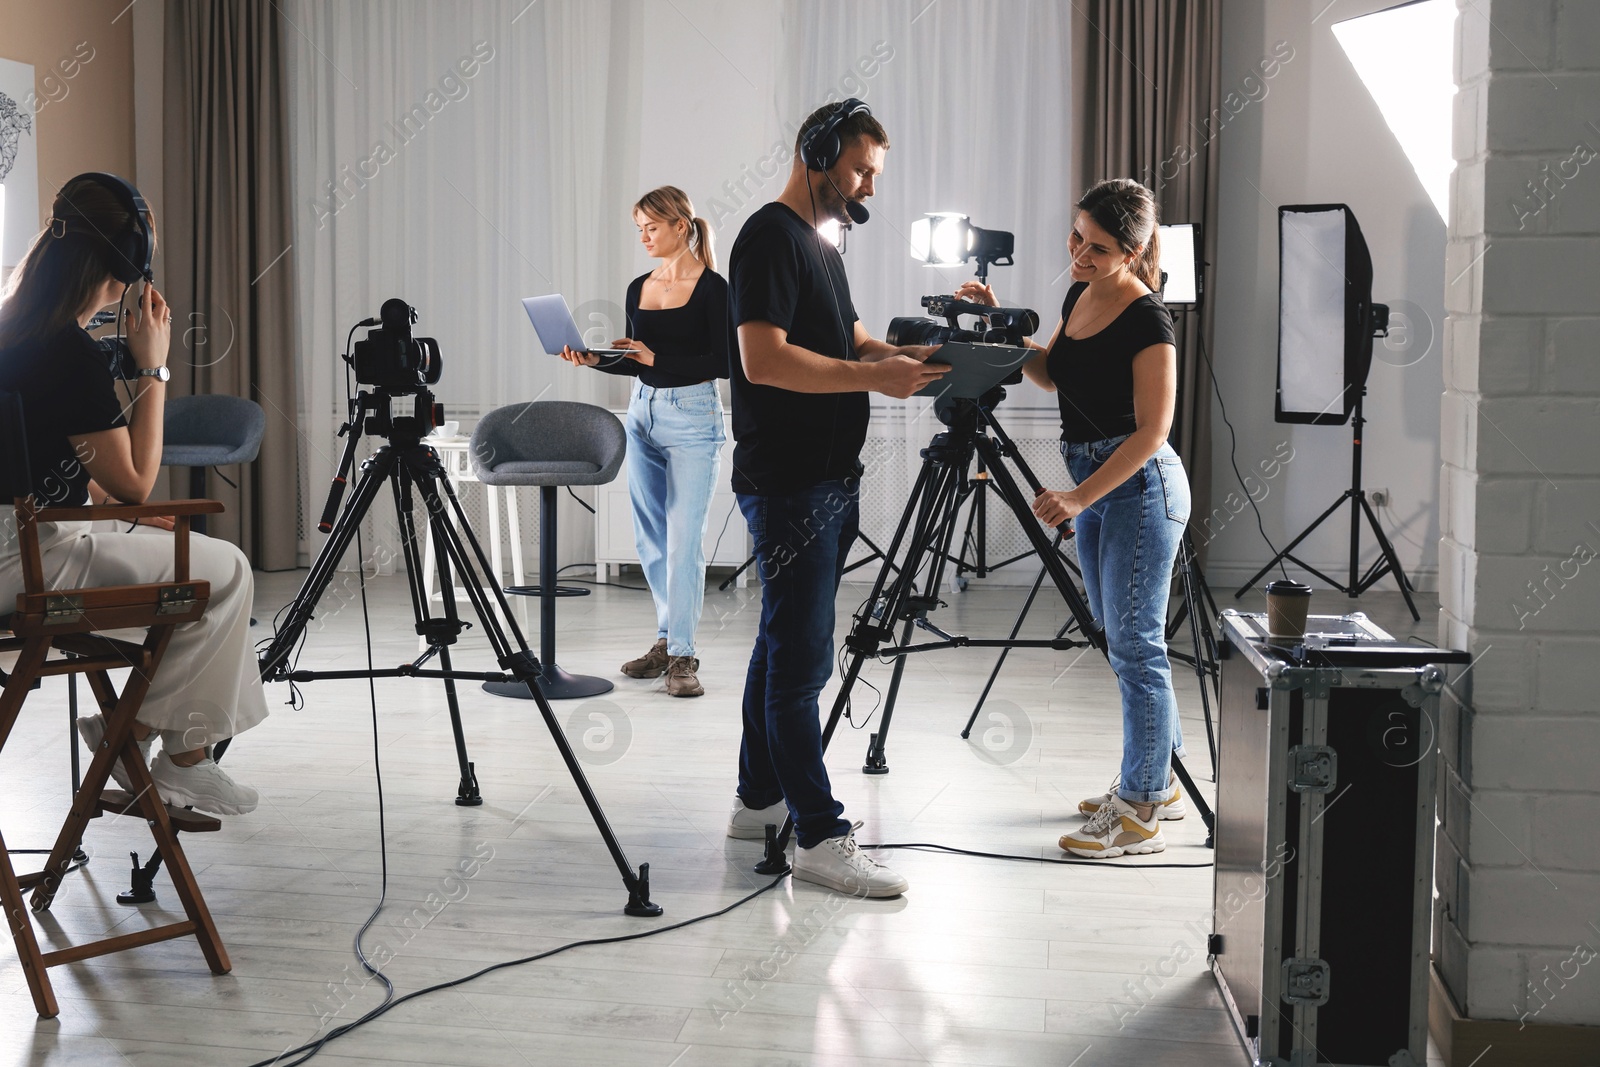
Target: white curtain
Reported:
point(974, 98)
point(464, 155)
point(459, 156)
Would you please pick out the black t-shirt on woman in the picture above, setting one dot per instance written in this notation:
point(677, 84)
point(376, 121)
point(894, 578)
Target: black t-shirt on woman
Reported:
point(67, 390)
point(692, 343)
point(781, 272)
point(1094, 376)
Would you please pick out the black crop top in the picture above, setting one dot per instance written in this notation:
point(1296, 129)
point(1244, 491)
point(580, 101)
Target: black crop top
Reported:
point(692, 343)
point(1094, 376)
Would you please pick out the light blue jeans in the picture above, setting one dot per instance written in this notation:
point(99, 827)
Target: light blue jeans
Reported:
point(674, 451)
point(1127, 544)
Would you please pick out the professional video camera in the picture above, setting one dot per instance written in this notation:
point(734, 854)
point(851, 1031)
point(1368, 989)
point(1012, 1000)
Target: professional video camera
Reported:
point(1000, 326)
point(390, 358)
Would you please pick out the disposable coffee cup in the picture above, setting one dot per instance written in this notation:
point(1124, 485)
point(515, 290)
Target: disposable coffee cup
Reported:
point(1287, 606)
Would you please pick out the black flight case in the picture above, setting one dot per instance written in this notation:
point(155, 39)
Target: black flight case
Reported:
point(1324, 841)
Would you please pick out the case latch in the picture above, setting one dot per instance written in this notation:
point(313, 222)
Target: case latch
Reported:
point(1313, 768)
point(1305, 981)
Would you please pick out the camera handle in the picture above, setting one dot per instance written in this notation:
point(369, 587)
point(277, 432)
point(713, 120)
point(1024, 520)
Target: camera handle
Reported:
point(351, 431)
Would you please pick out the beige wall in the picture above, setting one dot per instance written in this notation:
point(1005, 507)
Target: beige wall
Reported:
point(86, 121)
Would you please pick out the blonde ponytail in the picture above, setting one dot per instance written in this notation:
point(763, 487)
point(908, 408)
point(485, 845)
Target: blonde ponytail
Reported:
point(700, 242)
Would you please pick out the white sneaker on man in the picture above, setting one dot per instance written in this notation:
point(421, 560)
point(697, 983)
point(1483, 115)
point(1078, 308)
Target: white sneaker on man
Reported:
point(750, 824)
point(204, 786)
point(839, 863)
point(92, 728)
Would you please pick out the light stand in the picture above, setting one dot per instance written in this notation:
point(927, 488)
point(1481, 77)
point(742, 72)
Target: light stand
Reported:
point(1386, 563)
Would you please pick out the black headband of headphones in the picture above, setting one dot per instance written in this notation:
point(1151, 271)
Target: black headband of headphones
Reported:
point(131, 247)
point(820, 146)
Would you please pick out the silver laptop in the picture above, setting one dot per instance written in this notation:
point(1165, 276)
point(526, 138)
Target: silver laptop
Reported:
point(553, 322)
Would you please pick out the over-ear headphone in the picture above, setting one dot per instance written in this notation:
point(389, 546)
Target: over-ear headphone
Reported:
point(131, 248)
point(820, 147)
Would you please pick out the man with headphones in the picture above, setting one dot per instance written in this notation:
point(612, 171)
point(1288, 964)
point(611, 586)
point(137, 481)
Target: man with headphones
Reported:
point(800, 415)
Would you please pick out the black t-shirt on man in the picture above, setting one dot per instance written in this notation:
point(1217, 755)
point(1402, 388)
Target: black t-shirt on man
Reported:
point(781, 272)
point(1094, 375)
point(67, 390)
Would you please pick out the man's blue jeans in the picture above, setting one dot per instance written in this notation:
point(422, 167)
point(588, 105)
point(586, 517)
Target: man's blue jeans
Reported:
point(801, 541)
point(674, 450)
point(1127, 543)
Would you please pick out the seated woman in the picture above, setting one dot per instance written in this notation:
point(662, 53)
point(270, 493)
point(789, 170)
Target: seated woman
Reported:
point(681, 337)
point(86, 445)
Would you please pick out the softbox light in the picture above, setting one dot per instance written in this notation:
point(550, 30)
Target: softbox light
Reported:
point(1180, 263)
point(1325, 313)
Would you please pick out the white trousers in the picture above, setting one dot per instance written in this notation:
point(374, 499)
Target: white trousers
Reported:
point(208, 686)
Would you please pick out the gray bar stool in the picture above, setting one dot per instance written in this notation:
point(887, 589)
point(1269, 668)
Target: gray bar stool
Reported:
point(549, 444)
point(210, 431)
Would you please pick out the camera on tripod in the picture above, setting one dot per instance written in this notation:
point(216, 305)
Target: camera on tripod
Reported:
point(995, 326)
point(390, 358)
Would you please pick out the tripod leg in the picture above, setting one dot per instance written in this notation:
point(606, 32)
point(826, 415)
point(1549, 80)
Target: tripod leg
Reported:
point(1394, 560)
point(1202, 666)
point(875, 762)
point(1291, 546)
point(440, 634)
point(525, 667)
point(1016, 628)
point(299, 612)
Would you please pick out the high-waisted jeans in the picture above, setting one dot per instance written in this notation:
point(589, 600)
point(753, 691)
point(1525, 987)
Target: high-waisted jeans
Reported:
point(1127, 544)
point(674, 451)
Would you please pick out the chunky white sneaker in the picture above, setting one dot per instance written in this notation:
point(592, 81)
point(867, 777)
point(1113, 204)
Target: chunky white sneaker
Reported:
point(1173, 808)
point(750, 824)
point(1115, 830)
point(92, 728)
point(205, 786)
point(839, 863)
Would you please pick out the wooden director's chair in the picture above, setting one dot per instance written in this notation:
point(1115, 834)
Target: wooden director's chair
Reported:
point(75, 622)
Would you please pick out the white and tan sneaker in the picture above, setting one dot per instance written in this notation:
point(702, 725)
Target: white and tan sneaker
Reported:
point(1115, 830)
point(839, 863)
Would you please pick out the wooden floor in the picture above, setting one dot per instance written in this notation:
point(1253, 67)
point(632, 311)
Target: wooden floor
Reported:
point(981, 962)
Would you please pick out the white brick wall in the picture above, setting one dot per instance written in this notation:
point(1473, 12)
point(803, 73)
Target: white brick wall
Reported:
point(1518, 869)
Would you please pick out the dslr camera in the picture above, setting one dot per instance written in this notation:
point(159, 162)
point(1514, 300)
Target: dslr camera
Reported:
point(390, 358)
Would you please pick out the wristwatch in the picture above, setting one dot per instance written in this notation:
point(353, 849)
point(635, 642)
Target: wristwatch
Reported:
point(160, 374)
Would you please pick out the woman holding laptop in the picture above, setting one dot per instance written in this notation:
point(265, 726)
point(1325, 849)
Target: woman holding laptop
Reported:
point(681, 341)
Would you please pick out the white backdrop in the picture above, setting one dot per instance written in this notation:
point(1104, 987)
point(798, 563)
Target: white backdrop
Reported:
point(463, 156)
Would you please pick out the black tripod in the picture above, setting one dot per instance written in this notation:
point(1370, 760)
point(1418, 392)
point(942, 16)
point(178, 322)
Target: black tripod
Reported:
point(1195, 605)
point(874, 552)
point(974, 558)
point(926, 529)
point(1386, 563)
point(407, 465)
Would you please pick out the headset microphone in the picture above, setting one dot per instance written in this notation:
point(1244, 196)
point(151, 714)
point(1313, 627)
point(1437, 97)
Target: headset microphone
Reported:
point(857, 211)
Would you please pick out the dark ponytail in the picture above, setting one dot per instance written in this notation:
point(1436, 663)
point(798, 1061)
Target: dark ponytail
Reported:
point(1127, 211)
